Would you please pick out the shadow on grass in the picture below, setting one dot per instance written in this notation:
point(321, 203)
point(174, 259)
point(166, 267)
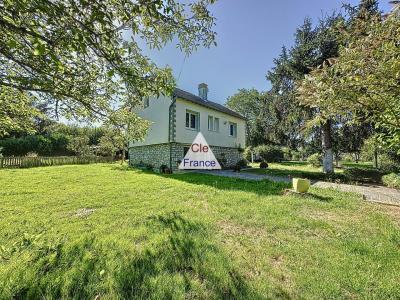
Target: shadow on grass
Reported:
point(177, 259)
point(320, 198)
point(184, 263)
point(263, 187)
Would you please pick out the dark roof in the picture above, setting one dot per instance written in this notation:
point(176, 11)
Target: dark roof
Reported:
point(197, 100)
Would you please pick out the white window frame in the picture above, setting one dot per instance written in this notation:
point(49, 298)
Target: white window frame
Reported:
point(191, 114)
point(234, 126)
point(216, 124)
point(210, 123)
point(213, 123)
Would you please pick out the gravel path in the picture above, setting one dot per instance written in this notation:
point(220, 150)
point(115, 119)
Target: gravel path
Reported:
point(369, 192)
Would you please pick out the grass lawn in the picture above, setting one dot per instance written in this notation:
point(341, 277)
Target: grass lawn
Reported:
point(293, 169)
point(304, 170)
point(82, 231)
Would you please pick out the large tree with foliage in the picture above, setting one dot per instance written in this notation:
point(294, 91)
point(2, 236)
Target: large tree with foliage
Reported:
point(365, 78)
point(253, 105)
point(75, 54)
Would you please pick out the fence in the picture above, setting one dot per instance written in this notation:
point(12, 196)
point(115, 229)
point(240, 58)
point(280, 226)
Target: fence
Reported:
point(29, 162)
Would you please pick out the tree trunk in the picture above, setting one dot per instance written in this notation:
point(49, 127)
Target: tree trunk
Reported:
point(123, 156)
point(375, 158)
point(327, 147)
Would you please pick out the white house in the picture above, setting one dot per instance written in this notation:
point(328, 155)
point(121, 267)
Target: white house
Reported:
point(175, 122)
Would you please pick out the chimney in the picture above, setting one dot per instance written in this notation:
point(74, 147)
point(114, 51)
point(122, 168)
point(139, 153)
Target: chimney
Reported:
point(203, 91)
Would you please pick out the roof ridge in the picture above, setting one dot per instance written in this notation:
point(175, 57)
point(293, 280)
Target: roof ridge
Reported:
point(208, 103)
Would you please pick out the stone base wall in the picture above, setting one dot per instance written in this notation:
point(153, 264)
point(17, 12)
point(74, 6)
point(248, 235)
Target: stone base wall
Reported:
point(157, 155)
point(154, 155)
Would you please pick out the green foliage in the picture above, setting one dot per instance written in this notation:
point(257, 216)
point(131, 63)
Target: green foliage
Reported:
point(388, 165)
point(366, 175)
point(315, 160)
point(43, 145)
point(269, 153)
point(248, 103)
point(79, 145)
point(243, 163)
point(16, 111)
point(76, 57)
point(364, 78)
point(391, 180)
point(247, 153)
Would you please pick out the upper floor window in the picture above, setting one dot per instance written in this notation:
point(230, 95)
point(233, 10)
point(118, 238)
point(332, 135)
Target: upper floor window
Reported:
point(192, 120)
point(232, 129)
point(213, 123)
point(146, 102)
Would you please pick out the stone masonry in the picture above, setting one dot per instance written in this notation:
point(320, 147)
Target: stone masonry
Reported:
point(157, 155)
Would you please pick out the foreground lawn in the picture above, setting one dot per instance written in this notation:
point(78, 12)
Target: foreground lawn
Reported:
point(109, 231)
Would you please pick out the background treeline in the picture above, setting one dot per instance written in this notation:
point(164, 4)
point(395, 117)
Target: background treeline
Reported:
point(53, 140)
point(307, 114)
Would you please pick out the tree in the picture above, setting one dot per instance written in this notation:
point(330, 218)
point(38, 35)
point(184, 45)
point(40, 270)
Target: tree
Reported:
point(117, 134)
point(79, 145)
point(250, 104)
point(364, 78)
point(73, 54)
point(16, 111)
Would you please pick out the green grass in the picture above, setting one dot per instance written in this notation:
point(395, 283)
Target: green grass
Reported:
point(296, 169)
point(305, 170)
point(82, 231)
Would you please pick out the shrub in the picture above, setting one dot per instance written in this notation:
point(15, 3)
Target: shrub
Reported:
point(163, 168)
point(237, 168)
point(149, 167)
point(363, 175)
point(392, 180)
point(242, 163)
point(296, 155)
point(247, 153)
point(263, 165)
point(315, 160)
point(222, 161)
point(388, 165)
point(347, 157)
point(269, 153)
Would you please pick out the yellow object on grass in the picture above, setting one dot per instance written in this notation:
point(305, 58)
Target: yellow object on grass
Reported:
point(301, 185)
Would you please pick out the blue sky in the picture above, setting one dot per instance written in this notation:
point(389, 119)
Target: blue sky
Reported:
point(250, 34)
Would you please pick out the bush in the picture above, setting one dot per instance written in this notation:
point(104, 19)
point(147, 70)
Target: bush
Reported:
point(388, 165)
point(315, 160)
point(237, 168)
point(269, 153)
point(222, 161)
point(296, 155)
point(363, 175)
point(392, 180)
point(242, 163)
point(263, 165)
point(247, 153)
point(347, 157)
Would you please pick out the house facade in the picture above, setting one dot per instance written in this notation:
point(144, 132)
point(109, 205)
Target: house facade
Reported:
point(175, 122)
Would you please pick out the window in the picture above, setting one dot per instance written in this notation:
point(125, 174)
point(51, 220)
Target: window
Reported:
point(146, 102)
point(213, 123)
point(233, 129)
point(192, 120)
point(210, 123)
point(216, 124)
